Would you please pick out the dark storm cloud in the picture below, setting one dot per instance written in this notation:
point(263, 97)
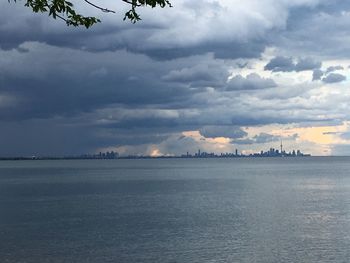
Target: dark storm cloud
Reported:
point(262, 116)
point(260, 138)
point(307, 64)
point(286, 64)
point(51, 89)
point(245, 141)
point(38, 27)
point(316, 30)
point(333, 78)
point(222, 131)
point(62, 136)
point(329, 78)
point(47, 137)
point(265, 138)
point(231, 50)
point(145, 122)
point(115, 35)
point(201, 75)
point(251, 82)
point(43, 99)
point(317, 74)
point(333, 68)
point(70, 90)
point(129, 136)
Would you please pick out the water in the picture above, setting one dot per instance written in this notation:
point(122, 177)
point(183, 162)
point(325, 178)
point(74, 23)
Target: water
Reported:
point(190, 210)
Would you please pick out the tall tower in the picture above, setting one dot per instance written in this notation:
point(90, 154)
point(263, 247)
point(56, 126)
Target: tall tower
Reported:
point(281, 148)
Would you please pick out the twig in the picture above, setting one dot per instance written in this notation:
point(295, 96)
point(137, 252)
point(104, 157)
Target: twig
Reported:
point(99, 7)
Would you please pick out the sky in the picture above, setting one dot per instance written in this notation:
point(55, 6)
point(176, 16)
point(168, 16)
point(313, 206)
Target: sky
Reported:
point(211, 75)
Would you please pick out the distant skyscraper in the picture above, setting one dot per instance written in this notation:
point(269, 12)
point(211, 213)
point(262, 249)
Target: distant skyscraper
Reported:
point(281, 148)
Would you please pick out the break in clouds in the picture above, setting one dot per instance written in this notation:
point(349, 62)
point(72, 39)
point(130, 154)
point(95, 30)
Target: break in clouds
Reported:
point(215, 75)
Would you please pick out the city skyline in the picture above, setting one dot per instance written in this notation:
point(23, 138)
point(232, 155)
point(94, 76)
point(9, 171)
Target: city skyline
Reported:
point(272, 152)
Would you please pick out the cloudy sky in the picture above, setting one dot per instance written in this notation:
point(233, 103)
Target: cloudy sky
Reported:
point(215, 75)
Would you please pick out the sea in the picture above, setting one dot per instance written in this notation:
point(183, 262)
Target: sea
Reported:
point(176, 210)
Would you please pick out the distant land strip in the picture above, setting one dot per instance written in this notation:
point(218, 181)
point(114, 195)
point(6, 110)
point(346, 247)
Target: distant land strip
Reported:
point(114, 155)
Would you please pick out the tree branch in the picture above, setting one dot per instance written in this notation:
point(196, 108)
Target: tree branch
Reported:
point(131, 3)
point(64, 10)
point(99, 7)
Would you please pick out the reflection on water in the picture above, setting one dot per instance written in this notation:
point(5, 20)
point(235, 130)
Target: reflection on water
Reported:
point(206, 210)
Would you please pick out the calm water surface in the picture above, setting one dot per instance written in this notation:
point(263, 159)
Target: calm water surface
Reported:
point(191, 210)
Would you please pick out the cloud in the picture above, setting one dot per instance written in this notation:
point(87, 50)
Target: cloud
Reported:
point(251, 82)
point(222, 131)
point(214, 74)
point(227, 29)
point(307, 64)
point(114, 99)
point(329, 78)
point(196, 67)
point(283, 64)
point(317, 74)
point(333, 78)
point(260, 138)
point(286, 64)
point(263, 137)
point(49, 88)
point(334, 68)
point(314, 31)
